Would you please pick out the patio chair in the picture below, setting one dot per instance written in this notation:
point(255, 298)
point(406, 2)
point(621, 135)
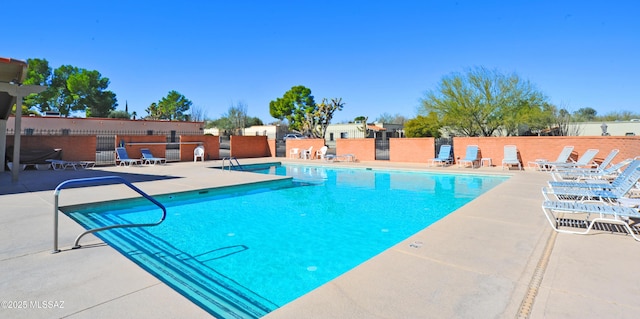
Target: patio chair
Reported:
point(613, 214)
point(294, 153)
point(124, 159)
point(471, 157)
point(322, 152)
point(585, 161)
point(148, 158)
point(444, 156)
point(198, 153)
point(306, 154)
point(543, 164)
point(603, 169)
point(608, 194)
point(627, 173)
point(511, 157)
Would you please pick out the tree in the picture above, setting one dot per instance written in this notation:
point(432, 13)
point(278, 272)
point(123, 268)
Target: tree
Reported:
point(153, 112)
point(391, 119)
point(585, 114)
point(235, 119)
point(319, 119)
point(293, 106)
point(70, 89)
point(481, 101)
point(174, 106)
point(423, 126)
point(119, 115)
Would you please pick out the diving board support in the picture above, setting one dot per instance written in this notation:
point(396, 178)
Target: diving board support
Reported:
point(96, 181)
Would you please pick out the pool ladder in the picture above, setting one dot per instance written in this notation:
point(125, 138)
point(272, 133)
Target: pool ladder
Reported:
point(95, 181)
point(233, 162)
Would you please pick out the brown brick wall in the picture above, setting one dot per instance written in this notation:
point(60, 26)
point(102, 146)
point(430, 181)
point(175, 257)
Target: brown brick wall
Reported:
point(316, 143)
point(531, 148)
point(249, 146)
point(133, 143)
point(364, 149)
point(411, 150)
point(211, 145)
point(74, 148)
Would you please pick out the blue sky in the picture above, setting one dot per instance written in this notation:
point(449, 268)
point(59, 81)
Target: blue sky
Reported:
point(378, 56)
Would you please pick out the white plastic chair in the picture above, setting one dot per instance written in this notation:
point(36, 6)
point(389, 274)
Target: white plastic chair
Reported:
point(294, 153)
point(198, 152)
point(306, 154)
point(320, 154)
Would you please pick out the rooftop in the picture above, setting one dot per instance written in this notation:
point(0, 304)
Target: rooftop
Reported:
point(495, 257)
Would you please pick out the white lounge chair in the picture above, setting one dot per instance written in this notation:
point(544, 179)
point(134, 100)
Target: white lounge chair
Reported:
point(543, 164)
point(511, 157)
point(619, 181)
point(613, 214)
point(444, 156)
point(585, 161)
point(607, 194)
point(148, 158)
point(471, 157)
point(124, 159)
point(603, 169)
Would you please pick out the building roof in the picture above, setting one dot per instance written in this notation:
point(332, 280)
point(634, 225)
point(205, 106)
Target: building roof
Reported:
point(11, 70)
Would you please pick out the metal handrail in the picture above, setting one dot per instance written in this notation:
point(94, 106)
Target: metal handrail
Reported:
point(96, 180)
point(231, 164)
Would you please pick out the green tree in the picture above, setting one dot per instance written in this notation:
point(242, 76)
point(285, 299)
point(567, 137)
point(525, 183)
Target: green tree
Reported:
point(70, 89)
point(119, 115)
point(172, 107)
point(320, 117)
point(423, 126)
point(293, 106)
point(585, 114)
point(481, 102)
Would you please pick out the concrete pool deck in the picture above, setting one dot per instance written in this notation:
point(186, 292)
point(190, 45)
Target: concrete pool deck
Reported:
point(481, 261)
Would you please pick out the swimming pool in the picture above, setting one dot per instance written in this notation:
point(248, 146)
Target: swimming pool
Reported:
point(244, 251)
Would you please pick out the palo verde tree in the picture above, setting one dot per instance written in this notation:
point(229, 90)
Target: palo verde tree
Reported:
point(319, 119)
point(70, 89)
point(423, 126)
point(293, 106)
point(480, 102)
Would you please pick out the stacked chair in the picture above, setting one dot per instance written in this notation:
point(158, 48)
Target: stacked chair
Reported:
point(584, 197)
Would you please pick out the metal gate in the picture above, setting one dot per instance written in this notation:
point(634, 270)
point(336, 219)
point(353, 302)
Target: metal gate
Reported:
point(105, 149)
point(382, 149)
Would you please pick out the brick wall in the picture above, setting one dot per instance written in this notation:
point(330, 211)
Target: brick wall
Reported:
point(133, 143)
point(249, 146)
point(411, 150)
point(364, 149)
point(211, 145)
point(316, 143)
point(531, 148)
point(74, 148)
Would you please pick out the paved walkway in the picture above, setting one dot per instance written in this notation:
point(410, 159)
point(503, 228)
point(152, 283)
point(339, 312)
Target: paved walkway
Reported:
point(482, 261)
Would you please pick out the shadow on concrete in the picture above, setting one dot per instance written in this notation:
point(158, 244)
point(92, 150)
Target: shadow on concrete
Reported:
point(37, 181)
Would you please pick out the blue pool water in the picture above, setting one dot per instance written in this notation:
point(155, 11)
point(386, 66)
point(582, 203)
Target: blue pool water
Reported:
point(245, 251)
